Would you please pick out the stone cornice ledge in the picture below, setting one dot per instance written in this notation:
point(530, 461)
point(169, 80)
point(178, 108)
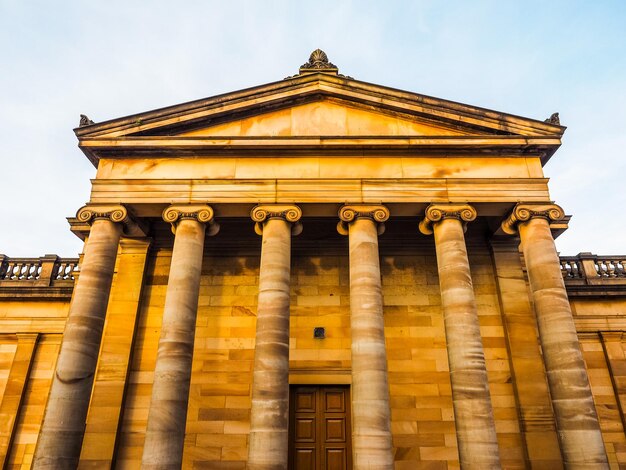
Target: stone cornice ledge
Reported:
point(437, 212)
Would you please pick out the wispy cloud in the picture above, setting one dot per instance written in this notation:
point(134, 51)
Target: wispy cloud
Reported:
point(109, 59)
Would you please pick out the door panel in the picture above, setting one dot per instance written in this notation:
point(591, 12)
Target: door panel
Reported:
point(335, 430)
point(305, 459)
point(336, 459)
point(335, 401)
point(319, 428)
point(305, 430)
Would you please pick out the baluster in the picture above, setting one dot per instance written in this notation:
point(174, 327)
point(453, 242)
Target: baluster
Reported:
point(621, 268)
point(601, 268)
point(38, 268)
point(14, 270)
point(19, 272)
point(577, 270)
point(611, 267)
point(33, 269)
point(9, 271)
point(27, 272)
point(564, 269)
point(17, 268)
point(60, 271)
point(73, 268)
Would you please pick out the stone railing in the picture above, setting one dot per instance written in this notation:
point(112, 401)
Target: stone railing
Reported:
point(47, 271)
point(587, 271)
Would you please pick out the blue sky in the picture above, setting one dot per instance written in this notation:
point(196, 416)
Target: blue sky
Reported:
point(110, 59)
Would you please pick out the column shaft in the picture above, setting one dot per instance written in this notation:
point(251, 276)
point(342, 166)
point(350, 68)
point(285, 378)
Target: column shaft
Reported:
point(63, 426)
point(371, 435)
point(473, 413)
point(577, 421)
point(167, 417)
point(269, 421)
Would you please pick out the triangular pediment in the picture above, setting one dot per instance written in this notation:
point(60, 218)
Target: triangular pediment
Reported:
point(318, 95)
point(324, 118)
point(323, 110)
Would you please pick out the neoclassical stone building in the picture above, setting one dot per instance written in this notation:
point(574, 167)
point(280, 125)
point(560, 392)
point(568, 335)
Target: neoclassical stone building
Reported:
point(316, 273)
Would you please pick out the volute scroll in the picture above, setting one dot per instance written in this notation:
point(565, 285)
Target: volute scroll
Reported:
point(114, 213)
point(438, 212)
point(351, 212)
point(289, 212)
point(523, 212)
point(202, 213)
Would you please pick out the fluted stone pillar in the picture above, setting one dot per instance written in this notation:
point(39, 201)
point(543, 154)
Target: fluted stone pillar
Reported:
point(372, 446)
point(576, 418)
point(167, 417)
point(269, 418)
point(473, 412)
point(63, 425)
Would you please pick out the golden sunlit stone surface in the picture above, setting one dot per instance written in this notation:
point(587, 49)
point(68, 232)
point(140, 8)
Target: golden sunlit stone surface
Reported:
point(145, 348)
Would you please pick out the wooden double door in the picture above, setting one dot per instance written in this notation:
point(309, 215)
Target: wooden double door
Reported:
point(319, 428)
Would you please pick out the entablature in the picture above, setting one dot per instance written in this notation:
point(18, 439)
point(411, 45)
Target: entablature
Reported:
point(379, 146)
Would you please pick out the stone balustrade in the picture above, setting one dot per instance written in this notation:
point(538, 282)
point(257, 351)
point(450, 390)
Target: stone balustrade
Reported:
point(587, 265)
point(46, 271)
point(589, 274)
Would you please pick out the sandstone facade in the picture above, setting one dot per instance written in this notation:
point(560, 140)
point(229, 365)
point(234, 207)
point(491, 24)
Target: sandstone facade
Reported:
point(315, 273)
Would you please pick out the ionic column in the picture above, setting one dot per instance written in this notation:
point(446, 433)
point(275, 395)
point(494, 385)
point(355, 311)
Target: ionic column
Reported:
point(371, 417)
point(269, 419)
point(63, 425)
point(473, 413)
point(167, 417)
point(576, 418)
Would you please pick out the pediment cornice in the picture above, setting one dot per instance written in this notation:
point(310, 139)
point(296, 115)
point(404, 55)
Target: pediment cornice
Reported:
point(162, 127)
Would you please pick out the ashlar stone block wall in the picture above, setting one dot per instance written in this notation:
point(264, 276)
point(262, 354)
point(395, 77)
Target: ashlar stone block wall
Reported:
point(219, 407)
point(421, 405)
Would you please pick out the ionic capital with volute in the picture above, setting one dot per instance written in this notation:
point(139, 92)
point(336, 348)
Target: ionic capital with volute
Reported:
point(523, 212)
point(289, 212)
point(199, 212)
point(351, 212)
point(437, 212)
point(115, 213)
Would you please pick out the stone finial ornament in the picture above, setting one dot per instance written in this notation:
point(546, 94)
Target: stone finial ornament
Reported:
point(318, 60)
point(318, 63)
point(554, 119)
point(85, 121)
